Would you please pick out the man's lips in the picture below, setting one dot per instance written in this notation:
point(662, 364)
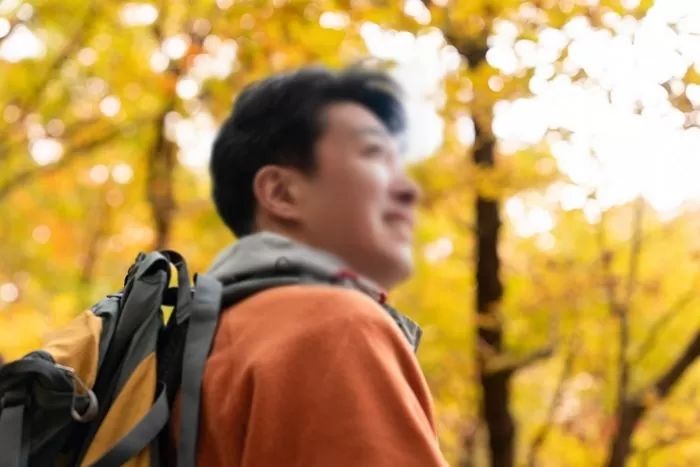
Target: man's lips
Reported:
point(402, 217)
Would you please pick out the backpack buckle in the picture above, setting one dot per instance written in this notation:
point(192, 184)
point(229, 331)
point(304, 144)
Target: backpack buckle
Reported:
point(91, 411)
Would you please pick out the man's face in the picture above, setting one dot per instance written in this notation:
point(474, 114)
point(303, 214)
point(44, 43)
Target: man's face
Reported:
point(359, 204)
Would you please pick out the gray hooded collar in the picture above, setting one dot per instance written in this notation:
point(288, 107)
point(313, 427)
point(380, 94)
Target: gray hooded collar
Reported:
point(266, 252)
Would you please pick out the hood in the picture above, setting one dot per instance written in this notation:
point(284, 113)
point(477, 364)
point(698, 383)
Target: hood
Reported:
point(266, 252)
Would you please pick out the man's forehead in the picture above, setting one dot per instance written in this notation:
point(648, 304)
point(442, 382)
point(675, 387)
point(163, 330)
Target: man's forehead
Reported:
point(381, 132)
point(357, 122)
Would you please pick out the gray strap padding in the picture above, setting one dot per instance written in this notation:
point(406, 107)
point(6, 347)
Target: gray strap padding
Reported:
point(140, 436)
point(11, 429)
point(206, 306)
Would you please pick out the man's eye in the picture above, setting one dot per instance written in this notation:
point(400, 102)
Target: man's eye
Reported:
point(373, 150)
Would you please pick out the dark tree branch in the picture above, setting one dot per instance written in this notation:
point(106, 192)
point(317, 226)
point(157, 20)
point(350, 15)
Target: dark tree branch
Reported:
point(532, 358)
point(159, 184)
point(101, 213)
point(658, 326)
point(624, 309)
point(72, 153)
point(161, 158)
point(630, 411)
point(66, 52)
point(606, 257)
point(158, 26)
point(620, 443)
point(474, 52)
point(633, 409)
point(545, 428)
point(471, 48)
point(635, 251)
point(49, 73)
point(665, 382)
point(505, 364)
point(75, 42)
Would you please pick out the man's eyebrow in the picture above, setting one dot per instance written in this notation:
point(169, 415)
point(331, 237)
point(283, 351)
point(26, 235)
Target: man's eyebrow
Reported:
point(403, 144)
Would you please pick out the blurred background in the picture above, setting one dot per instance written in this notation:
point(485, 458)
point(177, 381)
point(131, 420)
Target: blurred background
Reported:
point(557, 142)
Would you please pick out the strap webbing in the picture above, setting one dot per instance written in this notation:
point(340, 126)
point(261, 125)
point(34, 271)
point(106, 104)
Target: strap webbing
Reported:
point(11, 454)
point(200, 333)
point(182, 308)
point(140, 436)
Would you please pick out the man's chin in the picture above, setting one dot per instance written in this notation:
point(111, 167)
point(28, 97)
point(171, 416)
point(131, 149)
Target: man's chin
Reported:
point(388, 267)
point(402, 268)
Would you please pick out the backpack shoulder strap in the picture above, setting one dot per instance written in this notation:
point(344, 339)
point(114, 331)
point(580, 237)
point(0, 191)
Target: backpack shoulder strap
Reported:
point(206, 306)
point(210, 296)
point(140, 436)
point(11, 430)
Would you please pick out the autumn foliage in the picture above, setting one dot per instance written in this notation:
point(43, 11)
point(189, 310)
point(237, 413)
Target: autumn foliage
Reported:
point(557, 250)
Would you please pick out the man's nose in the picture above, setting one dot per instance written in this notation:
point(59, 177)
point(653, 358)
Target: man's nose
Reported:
point(407, 191)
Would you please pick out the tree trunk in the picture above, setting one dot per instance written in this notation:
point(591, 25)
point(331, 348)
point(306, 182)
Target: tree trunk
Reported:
point(161, 164)
point(489, 290)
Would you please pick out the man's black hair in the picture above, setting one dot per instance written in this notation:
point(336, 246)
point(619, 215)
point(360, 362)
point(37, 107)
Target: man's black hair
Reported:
point(277, 121)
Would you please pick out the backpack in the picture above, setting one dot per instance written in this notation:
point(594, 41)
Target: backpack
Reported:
point(99, 393)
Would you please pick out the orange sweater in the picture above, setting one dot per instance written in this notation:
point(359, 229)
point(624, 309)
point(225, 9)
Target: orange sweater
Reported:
point(314, 376)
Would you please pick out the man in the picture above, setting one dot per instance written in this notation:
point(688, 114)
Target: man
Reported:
point(307, 173)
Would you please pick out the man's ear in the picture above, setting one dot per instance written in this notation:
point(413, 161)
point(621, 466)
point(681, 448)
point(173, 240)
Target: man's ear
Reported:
point(277, 191)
